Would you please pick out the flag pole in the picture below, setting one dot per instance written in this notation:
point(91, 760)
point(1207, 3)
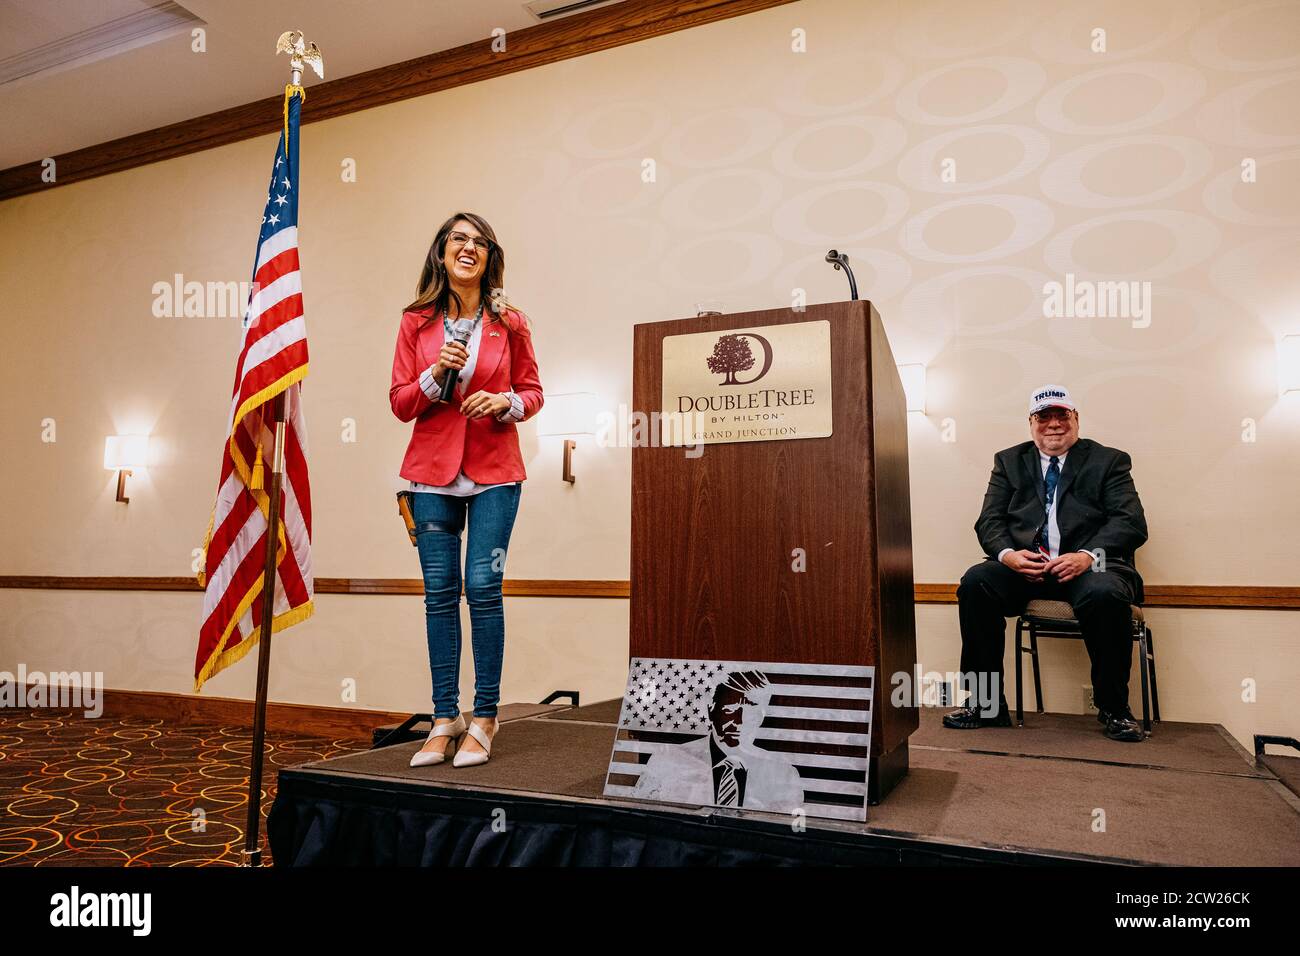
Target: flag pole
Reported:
point(252, 833)
point(301, 53)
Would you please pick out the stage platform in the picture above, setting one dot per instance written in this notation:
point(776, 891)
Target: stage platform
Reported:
point(1054, 791)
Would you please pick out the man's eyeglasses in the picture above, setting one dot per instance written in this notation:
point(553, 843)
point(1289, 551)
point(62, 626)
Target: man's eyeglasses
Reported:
point(459, 240)
point(1051, 415)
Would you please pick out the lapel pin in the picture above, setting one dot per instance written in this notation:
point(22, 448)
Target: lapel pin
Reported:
point(495, 334)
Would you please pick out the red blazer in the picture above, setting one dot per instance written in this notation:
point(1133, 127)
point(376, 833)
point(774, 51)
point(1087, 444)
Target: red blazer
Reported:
point(444, 442)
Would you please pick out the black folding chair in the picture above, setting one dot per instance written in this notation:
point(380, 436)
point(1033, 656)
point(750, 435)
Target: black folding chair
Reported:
point(1056, 619)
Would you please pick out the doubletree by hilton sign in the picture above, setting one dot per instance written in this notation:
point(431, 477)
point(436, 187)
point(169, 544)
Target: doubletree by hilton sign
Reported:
point(766, 384)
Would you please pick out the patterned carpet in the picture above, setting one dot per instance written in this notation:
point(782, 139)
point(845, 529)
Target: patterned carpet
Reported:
point(133, 791)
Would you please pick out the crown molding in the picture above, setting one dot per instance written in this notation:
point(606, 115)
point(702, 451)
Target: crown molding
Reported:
point(138, 29)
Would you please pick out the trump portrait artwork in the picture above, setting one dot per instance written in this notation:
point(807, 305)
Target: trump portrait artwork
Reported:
point(750, 736)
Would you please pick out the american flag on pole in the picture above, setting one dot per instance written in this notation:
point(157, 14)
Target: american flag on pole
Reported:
point(272, 360)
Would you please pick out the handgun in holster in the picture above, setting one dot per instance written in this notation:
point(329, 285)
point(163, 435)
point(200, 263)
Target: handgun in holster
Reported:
point(404, 509)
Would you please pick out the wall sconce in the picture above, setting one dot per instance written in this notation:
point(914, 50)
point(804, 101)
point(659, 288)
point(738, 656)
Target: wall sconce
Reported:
point(913, 377)
point(124, 454)
point(1288, 364)
point(572, 413)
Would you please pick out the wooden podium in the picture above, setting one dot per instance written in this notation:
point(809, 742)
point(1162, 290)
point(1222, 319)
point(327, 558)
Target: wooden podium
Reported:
point(713, 536)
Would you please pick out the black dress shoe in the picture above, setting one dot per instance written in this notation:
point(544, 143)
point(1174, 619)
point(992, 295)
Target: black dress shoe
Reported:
point(970, 718)
point(1123, 726)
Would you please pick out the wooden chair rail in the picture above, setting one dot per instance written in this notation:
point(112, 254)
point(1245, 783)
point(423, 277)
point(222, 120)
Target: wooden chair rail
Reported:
point(1223, 596)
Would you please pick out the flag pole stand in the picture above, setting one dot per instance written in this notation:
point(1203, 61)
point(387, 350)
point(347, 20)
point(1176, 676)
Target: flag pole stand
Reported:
point(252, 833)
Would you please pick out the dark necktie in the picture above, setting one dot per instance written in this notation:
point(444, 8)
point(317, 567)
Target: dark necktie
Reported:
point(728, 787)
point(1051, 480)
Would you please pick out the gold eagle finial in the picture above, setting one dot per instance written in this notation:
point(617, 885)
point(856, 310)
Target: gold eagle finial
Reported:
point(300, 52)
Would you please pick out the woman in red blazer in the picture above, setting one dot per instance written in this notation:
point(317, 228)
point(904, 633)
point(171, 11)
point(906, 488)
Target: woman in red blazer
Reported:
point(464, 465)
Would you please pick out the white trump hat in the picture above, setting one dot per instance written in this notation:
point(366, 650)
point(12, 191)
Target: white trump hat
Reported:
point(1050, 396)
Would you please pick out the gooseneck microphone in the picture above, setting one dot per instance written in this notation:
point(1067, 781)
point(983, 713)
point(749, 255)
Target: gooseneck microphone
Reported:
point(460, 332)
point(840, 260)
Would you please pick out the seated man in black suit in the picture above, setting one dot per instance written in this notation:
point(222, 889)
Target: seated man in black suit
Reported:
point(1061, 520)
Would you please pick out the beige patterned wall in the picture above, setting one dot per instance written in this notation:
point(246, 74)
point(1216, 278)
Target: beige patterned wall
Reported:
point(1123, 165)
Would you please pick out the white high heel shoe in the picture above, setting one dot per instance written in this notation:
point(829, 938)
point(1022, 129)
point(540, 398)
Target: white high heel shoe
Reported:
point(465, 758)
point(427, 758)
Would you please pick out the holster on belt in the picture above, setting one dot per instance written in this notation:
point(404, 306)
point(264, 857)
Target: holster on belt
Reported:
point(404, 509)
point(454, 525)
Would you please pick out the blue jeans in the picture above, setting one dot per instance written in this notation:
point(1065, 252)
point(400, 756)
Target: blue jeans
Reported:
point(491, 517)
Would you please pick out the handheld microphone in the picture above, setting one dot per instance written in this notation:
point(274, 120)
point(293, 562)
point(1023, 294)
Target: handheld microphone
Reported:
point(460, 332)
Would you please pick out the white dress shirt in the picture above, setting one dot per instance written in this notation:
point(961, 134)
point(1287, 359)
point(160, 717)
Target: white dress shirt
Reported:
point(1053, 530)
point(463, 486)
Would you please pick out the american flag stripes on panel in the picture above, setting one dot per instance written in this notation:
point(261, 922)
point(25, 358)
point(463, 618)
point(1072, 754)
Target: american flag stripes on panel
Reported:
point(272, 360)
point(768, 736)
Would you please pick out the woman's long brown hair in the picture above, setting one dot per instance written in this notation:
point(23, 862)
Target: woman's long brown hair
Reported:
point(433, 293)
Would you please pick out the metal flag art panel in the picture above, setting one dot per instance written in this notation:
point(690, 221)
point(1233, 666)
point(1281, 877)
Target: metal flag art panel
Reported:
point(783, 738)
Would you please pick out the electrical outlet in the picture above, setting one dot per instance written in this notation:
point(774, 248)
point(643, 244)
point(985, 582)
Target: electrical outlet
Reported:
point(1089, 705)
point(936, 693)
